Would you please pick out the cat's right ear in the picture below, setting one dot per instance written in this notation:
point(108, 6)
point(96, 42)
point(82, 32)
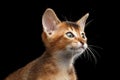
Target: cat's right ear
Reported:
point(49, 21)
point(81, 22)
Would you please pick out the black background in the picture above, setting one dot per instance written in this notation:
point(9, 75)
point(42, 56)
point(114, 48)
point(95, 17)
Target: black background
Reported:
point(22, 30)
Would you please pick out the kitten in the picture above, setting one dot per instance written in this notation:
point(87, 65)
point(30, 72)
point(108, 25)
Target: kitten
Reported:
point(64, 42)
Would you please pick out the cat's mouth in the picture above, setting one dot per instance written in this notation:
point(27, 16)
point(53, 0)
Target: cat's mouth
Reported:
point(78, 49)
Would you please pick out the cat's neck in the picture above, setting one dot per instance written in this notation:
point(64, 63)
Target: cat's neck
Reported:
point(63, 59)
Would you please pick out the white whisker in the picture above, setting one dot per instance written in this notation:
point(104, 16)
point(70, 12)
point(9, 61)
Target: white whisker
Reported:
point(93, 55)
point(96, 46)
point(93, 50)
point(88, 55)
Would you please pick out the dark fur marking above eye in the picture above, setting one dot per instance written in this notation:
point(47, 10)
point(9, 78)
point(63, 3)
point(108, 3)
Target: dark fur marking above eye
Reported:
point(73, 24)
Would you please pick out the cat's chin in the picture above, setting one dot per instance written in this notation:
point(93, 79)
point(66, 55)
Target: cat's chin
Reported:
point(76, 50)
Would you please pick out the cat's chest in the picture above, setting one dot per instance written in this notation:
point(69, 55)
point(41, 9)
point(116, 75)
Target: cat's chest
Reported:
point(59, 76)
point(63, 76)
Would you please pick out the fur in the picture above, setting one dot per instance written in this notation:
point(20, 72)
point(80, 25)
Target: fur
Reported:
point(64, 41)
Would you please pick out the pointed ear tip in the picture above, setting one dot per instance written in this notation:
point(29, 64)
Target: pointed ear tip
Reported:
point(87, 14)
point(49, 9)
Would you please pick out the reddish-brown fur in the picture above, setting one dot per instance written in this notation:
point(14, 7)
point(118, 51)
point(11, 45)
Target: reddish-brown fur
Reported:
point(56, 62)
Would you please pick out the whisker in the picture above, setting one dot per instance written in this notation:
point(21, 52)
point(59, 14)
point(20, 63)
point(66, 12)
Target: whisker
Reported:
point(96, 46)
point(88, 55)
point(95, 51)
point(93, 55)
point(89, 22)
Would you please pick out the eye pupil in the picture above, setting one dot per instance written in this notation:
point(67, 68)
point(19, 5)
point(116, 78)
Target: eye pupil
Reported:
point(69, 34)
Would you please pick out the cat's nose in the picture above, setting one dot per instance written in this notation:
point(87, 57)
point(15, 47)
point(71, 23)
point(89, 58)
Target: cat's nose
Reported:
point(82, 42)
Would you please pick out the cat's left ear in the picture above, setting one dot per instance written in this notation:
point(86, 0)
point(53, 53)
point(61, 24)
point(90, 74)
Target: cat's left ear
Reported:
point(81, 22)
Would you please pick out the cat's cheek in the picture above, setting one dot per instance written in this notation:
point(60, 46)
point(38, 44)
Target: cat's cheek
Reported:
point(68, 48)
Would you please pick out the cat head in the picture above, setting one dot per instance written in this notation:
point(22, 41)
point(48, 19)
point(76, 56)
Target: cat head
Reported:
point(63, 35)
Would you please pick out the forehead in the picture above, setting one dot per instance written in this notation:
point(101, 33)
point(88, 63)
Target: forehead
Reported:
point(72, 26)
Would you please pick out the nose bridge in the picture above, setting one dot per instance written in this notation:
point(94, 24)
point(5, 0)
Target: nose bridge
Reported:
point(78, 36)
point(81, 40)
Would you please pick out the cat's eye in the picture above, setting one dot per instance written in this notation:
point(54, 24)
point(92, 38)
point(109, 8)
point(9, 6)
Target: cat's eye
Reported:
point(70, 34)
point(83, 35)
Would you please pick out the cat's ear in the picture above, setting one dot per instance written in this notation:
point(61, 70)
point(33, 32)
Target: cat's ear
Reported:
point(49, 21)
point(81, 22)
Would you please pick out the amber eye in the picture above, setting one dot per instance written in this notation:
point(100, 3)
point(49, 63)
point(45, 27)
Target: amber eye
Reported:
point(83, 35)
point(70, 34)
